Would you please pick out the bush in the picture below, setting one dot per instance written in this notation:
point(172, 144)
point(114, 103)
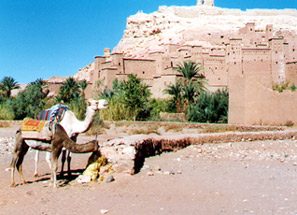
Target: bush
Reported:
point(284, 85)
point(5, 112)
point(117, 111)
point(158, 106)
point(28, 103)
point(79, 107)
point(210, 107)
point(97, 126)
point(128, 100)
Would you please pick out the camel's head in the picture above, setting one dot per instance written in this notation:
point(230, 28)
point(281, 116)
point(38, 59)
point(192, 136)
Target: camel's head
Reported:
point(98, 104)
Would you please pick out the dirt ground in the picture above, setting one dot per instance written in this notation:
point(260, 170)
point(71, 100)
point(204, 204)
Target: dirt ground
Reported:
point(230, 178)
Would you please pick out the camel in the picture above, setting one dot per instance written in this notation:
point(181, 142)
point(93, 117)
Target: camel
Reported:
point(73, 128)
point(58, 140)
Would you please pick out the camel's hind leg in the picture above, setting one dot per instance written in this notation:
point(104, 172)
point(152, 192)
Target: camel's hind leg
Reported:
point(36, 163)
point(63, 159)
point(68, 163)
point(66, 155)
point(19, 153)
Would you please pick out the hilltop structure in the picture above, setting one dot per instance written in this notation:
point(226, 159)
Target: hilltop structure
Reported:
point(205, 2)
point(232, 46)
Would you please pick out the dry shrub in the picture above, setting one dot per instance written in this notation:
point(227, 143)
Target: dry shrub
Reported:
point(122, 123)
point(218, 129)
point(92, 131)
point(4, 124)
point(289, 123)
point(147, 129)
point(98, 126)
point(174, 127)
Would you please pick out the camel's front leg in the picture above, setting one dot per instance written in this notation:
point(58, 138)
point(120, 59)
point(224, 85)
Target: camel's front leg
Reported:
point(55, 156)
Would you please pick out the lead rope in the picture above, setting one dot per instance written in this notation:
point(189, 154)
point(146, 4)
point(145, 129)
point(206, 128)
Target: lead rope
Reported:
point(96, 157)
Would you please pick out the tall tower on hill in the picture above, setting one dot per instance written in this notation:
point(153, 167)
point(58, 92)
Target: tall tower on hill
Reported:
point(205, 2)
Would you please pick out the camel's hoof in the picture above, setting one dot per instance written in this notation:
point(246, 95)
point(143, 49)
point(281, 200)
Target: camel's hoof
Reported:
point(36, 175)
point(12, 185)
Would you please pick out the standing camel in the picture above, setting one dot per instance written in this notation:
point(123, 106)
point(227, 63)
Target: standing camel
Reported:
point(58, 140)
point(73, 128)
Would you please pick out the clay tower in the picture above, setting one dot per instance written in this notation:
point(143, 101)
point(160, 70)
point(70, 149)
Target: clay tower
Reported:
point(205, 2)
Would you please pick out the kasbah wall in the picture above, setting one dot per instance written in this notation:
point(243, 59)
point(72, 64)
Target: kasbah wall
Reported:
point(247, 63)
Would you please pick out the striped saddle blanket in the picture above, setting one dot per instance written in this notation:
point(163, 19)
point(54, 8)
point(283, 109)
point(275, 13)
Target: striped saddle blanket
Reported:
point(54, 113)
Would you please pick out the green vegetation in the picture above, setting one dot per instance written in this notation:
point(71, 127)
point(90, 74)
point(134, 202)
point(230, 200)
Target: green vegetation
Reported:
point(284, 85)
point(6, 86)
point(189, 95)
point(29, 102)
point(5, 113)
point(186, 90)
point(68, 91)
point(129, 99)
point(210, 107)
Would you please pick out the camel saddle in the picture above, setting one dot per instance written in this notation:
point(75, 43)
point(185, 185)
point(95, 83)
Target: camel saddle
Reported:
point(54, 113)
point(36, 129)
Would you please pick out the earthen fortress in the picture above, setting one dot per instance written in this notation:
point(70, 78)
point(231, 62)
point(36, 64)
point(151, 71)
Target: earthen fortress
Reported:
point(233, 46)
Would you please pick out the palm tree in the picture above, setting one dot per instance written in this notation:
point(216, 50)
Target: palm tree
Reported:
point(83, 85)
point(175, 91)
point(107, 94)
point(193, 82)
point(69, 90)
point(189, 92)
point(7, 85)
point(40, 83)
point(189, 70)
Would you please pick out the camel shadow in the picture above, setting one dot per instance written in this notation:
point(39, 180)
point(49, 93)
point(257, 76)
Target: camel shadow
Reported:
point(63, 180)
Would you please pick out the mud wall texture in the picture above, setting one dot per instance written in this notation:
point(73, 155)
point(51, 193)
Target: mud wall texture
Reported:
point(128, 154)
point(253, 102)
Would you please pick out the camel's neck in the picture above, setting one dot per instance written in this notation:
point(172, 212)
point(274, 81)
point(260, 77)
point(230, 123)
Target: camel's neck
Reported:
point(61, 137)
point(82, 126)
point(90, 115)
point(80, 148)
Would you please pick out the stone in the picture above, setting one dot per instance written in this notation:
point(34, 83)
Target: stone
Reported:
point(150, 173)
point(110, 179)
point(169, 172)
point(104, 211)
point(157, 168)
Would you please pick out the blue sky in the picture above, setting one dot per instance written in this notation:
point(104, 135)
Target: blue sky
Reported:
point(45, 38)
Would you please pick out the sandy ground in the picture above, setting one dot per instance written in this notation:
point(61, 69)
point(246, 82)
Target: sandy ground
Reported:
point(231, 178)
